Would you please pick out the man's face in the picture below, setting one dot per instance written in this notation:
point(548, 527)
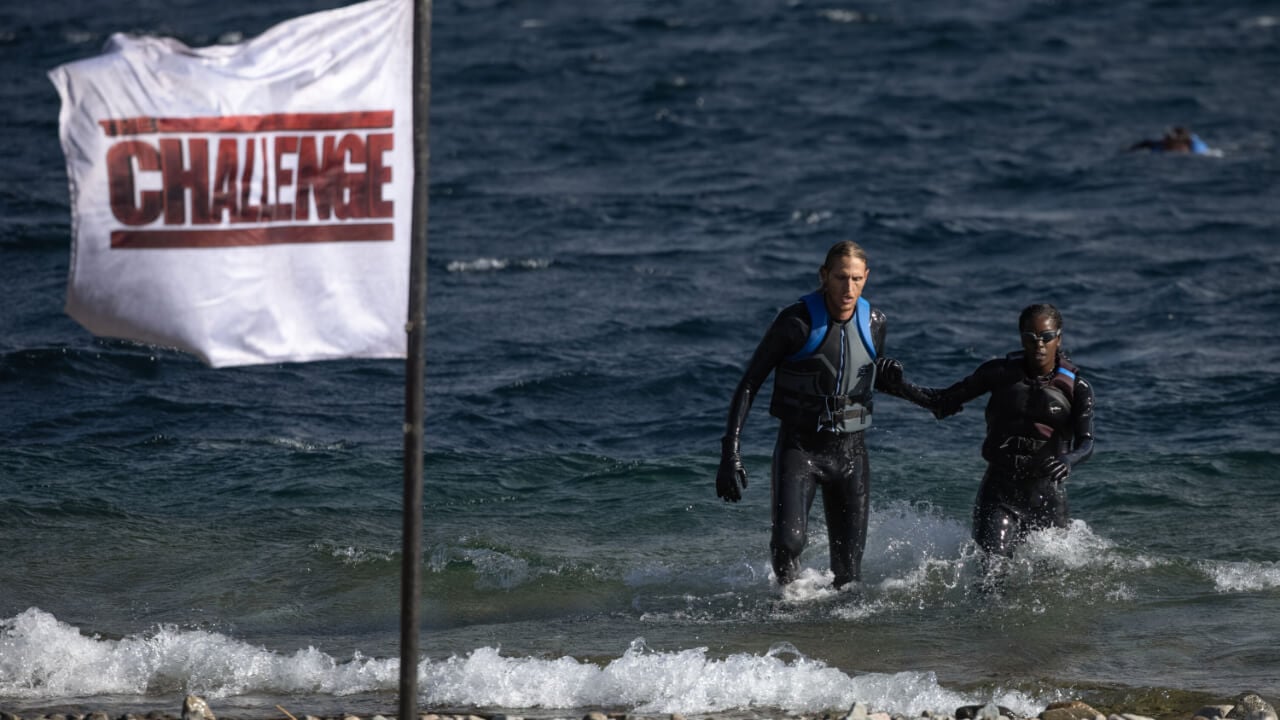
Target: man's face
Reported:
point(842, 286)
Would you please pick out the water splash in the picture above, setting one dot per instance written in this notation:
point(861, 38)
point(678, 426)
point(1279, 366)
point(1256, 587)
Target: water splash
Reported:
point(42, 657)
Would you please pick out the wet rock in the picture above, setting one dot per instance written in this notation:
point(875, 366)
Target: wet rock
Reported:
point(973, 712)
point(1250, 706)
point(195, 708)
point(858, 711)
point(1070, 710)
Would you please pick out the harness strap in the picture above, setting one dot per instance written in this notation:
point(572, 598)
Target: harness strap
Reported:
point(819, 319)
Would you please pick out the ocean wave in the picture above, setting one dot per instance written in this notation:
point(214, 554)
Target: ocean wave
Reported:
point(42, 657)
point(689, 681)
point(497, 264)
point(1232, 577)
point(45, 658)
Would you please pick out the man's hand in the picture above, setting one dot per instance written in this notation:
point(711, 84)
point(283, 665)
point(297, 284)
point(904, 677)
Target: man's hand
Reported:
point(731, 471)
point(889, 375)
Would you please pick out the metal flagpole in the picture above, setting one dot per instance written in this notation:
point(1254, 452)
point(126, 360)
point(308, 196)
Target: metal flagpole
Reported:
point(415, 369)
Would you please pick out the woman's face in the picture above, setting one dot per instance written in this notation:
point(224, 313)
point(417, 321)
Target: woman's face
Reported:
point(1041, 338)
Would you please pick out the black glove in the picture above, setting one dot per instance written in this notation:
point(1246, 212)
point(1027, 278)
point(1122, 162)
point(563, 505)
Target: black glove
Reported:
point(1055, 470)
point(941, 406)
point(889, 378)
point(889, 375)
point(731, 471)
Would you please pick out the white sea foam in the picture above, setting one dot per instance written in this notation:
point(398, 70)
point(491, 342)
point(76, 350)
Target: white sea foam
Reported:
point(911, 544)
point(914, 552)
point(689, 681)
point(1242, 576)
point(41, 657)
point(497, 264)
point(350, 555)
point(846, 16)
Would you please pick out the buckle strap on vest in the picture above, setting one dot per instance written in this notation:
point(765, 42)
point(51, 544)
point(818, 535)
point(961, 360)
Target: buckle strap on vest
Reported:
point(836, 410)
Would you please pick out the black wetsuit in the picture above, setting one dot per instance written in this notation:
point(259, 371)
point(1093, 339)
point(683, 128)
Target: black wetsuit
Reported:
point(1032, 423)
point(807, 458)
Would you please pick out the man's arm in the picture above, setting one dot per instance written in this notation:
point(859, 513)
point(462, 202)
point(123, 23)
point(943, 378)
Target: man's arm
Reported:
point(943, 402)
point(786, 335)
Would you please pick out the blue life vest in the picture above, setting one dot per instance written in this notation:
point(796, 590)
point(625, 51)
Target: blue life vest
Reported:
point(828, 383)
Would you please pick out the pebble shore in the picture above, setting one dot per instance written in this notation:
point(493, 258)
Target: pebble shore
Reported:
point(1246, 706)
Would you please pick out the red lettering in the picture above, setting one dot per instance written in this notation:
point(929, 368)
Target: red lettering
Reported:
point(354, 190)
point(127, 204)
point(248, 212)
point(266, 182)
point(318, 181)
point(379, 175)
point(171, 184)
point(224, 181)
point(284, 176)
point(179, 179)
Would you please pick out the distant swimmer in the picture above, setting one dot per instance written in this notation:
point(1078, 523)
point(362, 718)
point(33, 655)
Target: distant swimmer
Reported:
point(822, 353)
point(1176, 140)
point(1039, 427)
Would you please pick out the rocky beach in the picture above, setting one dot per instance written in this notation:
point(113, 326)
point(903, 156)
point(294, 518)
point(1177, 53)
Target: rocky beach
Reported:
point(1246, 706)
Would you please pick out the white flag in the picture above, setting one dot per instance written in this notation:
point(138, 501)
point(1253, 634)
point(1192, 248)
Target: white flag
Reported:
point(246, 203)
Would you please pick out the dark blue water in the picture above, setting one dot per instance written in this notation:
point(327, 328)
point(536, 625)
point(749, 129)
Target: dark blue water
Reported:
point(623, 195)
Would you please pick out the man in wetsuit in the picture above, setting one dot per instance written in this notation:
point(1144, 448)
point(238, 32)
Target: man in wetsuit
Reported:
point(1039, 427)
point(1176, 140)
point(821, 351)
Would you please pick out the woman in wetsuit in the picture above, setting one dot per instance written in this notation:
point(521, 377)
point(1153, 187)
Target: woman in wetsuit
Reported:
point(1039, 427)
point(821, 351)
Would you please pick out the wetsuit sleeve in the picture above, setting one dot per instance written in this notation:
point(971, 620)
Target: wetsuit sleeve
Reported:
point(889, 380)
point(879, 328)
point(786, 335)
point(1082, 420)
point(948, 401)
point(974, 386)
point(942, 402)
